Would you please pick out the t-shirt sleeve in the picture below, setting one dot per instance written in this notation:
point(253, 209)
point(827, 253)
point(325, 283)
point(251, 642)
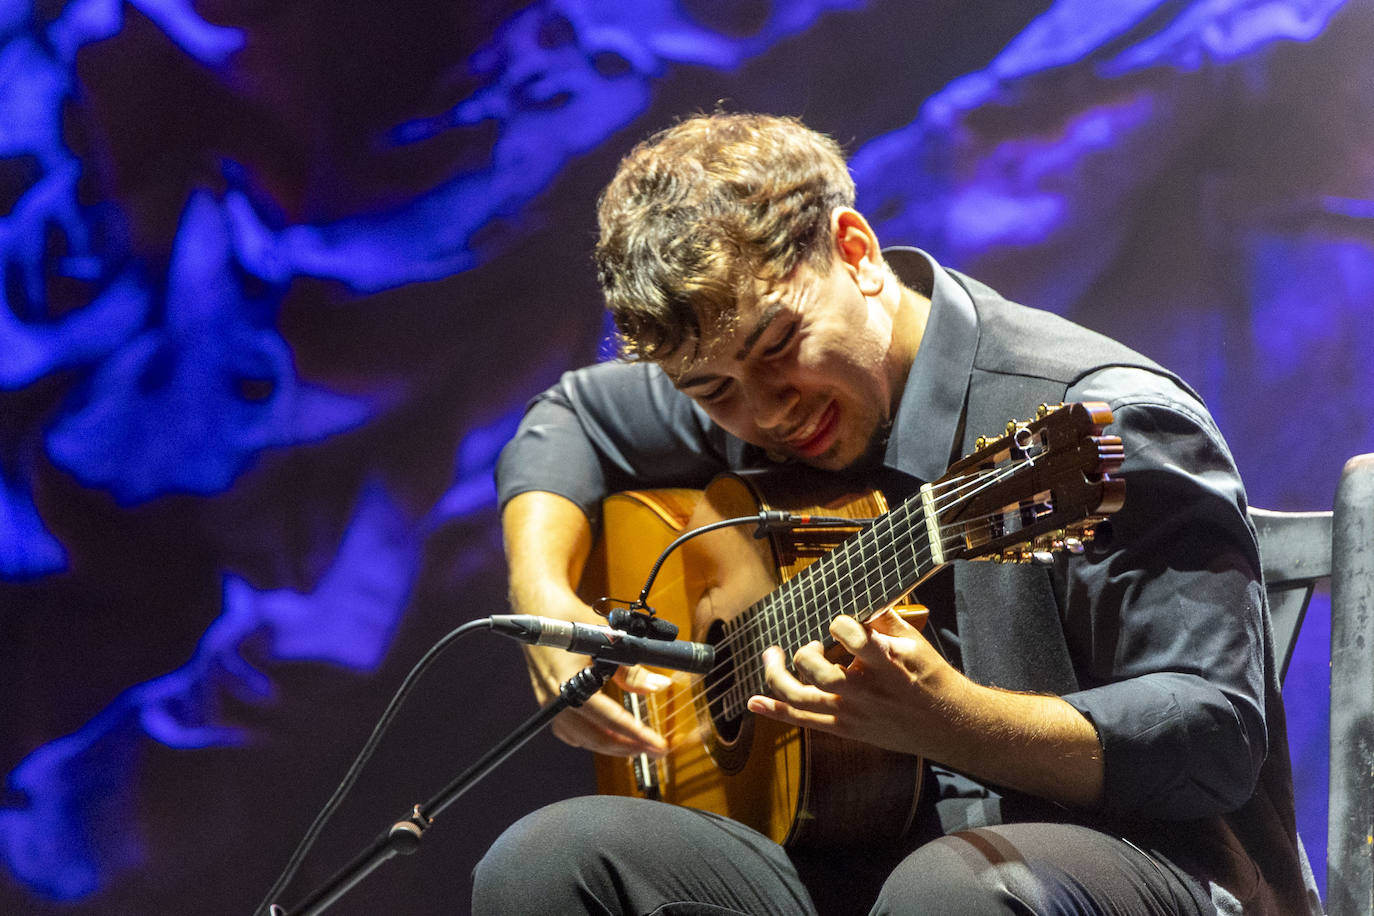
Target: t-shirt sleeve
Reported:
point(610, 427)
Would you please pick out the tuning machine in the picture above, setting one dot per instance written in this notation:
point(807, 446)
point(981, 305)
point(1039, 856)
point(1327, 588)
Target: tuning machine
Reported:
point(1040, 551)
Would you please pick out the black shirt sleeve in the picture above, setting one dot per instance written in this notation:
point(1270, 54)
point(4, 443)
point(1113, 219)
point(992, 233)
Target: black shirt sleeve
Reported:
point(611, 427)
point(1166, 622)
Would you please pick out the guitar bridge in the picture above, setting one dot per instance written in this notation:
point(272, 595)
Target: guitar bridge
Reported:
point(645, 768)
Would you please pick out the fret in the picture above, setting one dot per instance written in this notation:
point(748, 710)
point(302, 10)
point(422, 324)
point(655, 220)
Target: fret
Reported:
point(866, 573)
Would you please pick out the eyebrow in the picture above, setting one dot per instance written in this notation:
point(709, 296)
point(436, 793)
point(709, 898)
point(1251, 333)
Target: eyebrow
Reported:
point(757, 331)
point(760, 327)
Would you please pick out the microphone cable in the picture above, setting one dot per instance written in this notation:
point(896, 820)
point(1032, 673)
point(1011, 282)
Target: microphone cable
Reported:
point(312, 834)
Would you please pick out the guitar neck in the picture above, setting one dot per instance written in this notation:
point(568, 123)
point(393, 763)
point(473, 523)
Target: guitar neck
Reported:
point(863, 575)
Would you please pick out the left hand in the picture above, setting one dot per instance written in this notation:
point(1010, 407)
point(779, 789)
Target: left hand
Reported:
point(897, 692)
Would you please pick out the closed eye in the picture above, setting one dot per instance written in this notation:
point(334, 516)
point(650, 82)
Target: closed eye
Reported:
point(715, 392)
point(781, 345)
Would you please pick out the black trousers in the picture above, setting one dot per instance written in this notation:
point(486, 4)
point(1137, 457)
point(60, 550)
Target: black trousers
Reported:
point(613, 855)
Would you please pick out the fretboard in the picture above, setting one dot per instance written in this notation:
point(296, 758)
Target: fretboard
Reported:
point(863, 575)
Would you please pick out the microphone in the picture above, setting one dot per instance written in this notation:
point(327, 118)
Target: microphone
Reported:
point(605, 643)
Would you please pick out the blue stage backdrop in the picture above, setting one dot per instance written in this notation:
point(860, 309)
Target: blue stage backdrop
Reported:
point(278, 278)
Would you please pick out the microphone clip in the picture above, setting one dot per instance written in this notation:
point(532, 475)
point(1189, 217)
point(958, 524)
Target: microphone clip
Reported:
point(639, 623)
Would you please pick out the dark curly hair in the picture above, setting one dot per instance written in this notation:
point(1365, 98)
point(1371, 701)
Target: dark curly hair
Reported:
point(699, 213)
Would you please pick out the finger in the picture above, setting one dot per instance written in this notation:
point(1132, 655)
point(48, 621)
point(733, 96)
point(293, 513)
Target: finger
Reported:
point(791, 715)
point(890, 623)
point(785, 686)
point(812, 667)
point(850, 634)
point(870, 646)
point(604, 726)
point(584, 736)
point(638, 679)
point(628, 731)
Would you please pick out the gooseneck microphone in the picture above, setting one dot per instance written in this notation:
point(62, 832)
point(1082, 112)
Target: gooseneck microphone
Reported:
point(606, 643)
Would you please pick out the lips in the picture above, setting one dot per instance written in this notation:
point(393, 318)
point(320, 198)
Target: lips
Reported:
point(815, 437)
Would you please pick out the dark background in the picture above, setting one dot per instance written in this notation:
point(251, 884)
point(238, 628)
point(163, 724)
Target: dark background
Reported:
point(278, 277)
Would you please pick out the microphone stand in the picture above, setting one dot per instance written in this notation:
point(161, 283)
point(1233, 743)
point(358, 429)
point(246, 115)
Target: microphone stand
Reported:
point(404, 836)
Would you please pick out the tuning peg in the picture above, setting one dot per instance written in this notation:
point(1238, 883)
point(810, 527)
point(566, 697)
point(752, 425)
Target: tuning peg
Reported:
point(1040, 555)
point(1083, 531)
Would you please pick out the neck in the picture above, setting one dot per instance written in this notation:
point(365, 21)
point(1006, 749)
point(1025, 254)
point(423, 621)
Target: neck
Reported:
point(908, 330)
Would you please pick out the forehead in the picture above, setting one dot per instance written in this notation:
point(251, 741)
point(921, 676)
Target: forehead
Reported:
point(739, 334)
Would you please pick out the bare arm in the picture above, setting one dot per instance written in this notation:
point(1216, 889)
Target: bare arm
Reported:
point(547, 540)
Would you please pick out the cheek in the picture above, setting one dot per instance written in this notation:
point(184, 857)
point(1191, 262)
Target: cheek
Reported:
point(822, 353)
point(843, 358)
point(732, 419)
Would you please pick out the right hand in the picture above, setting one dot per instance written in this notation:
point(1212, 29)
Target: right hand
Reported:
point(601, 724)
point(547, 540)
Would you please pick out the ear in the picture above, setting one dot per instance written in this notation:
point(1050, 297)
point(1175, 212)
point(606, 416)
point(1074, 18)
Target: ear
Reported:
point(857, 247)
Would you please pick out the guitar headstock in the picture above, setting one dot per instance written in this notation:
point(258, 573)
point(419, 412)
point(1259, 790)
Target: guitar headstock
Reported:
point(1043, 486)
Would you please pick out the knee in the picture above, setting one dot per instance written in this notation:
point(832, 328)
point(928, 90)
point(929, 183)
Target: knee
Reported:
point(959, 874)
point(536, 858)
point(572, 854)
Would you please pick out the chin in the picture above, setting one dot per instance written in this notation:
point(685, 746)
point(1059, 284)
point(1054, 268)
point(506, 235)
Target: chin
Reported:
point(871, 456)
point(837, 458)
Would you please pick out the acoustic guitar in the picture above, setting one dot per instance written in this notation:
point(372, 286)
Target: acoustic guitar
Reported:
point(1041, 487)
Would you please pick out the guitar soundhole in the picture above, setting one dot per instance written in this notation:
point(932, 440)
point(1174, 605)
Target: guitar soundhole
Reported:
point(731, 735)
point(722, 691)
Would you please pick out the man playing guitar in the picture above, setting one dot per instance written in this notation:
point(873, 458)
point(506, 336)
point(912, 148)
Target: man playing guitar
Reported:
point(1101, 731)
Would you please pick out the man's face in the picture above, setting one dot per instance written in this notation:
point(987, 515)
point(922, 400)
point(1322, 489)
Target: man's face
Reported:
point(808, 372)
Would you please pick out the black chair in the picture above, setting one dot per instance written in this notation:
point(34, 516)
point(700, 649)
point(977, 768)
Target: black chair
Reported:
point(1297, 551)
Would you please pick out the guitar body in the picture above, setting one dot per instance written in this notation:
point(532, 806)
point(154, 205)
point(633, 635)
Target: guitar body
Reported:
point(799, 787)
point(1041, 487)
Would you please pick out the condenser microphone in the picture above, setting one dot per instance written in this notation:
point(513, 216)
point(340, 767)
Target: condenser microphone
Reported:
point(606, 643)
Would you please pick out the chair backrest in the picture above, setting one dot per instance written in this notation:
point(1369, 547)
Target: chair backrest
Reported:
point(1297, 550)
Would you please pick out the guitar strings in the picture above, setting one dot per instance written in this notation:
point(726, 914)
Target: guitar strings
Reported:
point(747, 680)
point(757, 638)
point(840, 562)
point(838, 579)
point(752, 636)
point(872, 564)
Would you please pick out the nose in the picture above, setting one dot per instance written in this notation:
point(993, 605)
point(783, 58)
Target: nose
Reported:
point(773, 399)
